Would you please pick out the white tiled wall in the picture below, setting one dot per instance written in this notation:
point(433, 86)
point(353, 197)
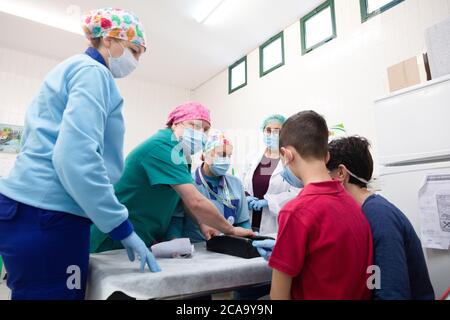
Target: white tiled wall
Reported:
point(340, 79)
point(146, 104)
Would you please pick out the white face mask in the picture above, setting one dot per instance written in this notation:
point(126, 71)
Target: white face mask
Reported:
point(122, 66)
point(357, 178)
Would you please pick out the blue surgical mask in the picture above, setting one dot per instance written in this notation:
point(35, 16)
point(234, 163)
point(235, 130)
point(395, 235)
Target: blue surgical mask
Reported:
point(122, 66)
point(193, 141)
point(291, 178)
point(220, 166)
point(271, 141)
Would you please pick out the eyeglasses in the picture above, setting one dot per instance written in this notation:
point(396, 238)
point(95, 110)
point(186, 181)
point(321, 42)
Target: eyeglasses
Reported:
point(271, 131)
point(196, 125)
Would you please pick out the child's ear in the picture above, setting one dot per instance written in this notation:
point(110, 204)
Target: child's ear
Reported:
point(327, 158)
point(342, 173)
point(288, 154)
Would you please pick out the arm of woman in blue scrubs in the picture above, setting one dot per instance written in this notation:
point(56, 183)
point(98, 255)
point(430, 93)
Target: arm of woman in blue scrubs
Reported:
point(243, 214)
point(77, 157)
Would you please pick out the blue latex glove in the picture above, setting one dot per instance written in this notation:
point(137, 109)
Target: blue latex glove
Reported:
point(250, 201)
point(264, 248)
point(259, 204)
point(134, 245)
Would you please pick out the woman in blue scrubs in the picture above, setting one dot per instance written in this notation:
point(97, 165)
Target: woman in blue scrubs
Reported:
point(71, 156)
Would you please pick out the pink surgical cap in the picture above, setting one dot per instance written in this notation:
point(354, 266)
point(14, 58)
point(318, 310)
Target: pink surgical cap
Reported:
point(189, 111)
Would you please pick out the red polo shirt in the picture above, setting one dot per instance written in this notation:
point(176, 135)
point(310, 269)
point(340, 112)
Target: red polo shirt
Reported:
point(324, 243)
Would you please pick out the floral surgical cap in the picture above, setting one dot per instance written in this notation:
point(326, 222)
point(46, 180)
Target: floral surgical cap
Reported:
point(115, 23)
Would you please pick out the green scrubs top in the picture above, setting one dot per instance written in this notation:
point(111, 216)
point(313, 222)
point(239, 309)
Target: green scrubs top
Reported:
point(145, 189)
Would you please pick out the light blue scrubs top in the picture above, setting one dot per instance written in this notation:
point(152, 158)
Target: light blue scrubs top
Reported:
point(183, 226)
point(72, 146)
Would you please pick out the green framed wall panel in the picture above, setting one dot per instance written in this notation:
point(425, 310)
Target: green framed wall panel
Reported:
point(262, 72)
point(366, 15)
point(303, 32)
point(230, 75)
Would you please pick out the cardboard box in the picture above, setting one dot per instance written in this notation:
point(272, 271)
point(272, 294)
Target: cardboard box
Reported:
point(438, 43)
point(407, 73)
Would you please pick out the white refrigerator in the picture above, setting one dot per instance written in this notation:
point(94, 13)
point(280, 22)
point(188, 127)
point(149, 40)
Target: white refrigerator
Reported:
point(413, 138)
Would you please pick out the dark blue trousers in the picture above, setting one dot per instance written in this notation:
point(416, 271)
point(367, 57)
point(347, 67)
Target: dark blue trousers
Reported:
point(45, 253)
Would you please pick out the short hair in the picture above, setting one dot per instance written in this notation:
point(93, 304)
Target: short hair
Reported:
point(95, 43)
point(307, 133)
point(354, 154)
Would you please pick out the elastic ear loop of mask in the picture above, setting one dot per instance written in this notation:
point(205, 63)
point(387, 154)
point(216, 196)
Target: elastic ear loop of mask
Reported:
point(356, 177)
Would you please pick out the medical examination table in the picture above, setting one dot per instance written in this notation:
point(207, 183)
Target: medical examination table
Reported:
point(204, 273)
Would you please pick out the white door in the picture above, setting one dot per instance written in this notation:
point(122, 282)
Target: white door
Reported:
point(401, 186)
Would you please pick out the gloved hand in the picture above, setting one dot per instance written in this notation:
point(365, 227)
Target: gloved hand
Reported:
point(134, 245)
point(250, 201)
point(264, 248)
point(258, 205)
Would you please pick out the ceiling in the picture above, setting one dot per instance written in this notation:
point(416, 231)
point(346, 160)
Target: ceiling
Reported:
point(182, 52)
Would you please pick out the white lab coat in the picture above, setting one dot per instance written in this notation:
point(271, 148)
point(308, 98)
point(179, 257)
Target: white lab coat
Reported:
point(279, 193)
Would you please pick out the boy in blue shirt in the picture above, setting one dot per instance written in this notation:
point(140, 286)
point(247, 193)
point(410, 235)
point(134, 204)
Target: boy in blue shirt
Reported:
point(397, 248)
point(224, 191)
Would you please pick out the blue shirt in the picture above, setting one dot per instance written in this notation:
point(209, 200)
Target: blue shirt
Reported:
point(398, 252)
point(183, 225)
point(72, 146)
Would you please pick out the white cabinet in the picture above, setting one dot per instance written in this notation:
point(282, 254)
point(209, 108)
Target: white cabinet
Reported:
point(414, 124)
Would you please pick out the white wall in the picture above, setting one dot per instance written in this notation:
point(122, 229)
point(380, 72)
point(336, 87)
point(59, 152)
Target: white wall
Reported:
point(145, 109)
point(339, 80)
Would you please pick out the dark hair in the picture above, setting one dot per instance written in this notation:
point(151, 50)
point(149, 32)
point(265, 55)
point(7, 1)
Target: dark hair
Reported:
point(307, 132)
point(354, 154)
point(95, 42)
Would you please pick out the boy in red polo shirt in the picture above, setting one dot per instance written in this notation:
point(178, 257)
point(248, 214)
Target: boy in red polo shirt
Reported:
point(324, 244)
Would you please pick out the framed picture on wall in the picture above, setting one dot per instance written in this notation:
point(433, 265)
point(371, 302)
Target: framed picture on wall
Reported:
point(10, 137)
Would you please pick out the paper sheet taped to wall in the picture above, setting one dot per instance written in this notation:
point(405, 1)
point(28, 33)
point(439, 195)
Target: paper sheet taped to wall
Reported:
point(434, 202)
